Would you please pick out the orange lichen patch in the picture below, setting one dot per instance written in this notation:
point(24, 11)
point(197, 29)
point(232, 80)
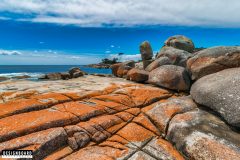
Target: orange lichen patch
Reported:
point(51, 98)
point(118, 98)
point(134, 111)
point(8, 96)
point(113, 145)
point(81, 109)
point(107, 121)
point(83, 95)
point(111, 89)
point(20, 106)
point(162, 149)
point(116, 128)
point(146, 123)
point(118, 139)
point(135, 134)
point(142, 95)
point(125, 116)
point(61, 153)
point(21, 124)
point(52, 139)
point(97, 152)
point(199, 62)
point(112, 105)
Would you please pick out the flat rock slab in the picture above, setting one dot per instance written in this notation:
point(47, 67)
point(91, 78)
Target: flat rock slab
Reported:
point(120, 121)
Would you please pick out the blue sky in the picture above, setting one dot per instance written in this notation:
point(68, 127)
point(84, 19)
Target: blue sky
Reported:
point(83, 32)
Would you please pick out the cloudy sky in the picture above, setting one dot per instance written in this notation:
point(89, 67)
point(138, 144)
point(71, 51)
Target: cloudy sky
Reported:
point(84, 31)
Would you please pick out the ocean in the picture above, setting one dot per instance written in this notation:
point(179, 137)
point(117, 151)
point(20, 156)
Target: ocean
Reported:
point(36, 71)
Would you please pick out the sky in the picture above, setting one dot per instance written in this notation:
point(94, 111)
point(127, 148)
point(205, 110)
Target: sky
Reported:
point(62, 32)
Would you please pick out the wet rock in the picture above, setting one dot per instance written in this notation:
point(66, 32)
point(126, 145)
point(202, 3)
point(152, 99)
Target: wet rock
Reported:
point(180, 42)
point(137, 75)
point(201, 135)
point(213, 60)
point(65, 76)
point(146, 53)
point(171, 77)
point(53, 76)
point(220, 92)
point(176, 56)
point(3, 78)
point(158, 62)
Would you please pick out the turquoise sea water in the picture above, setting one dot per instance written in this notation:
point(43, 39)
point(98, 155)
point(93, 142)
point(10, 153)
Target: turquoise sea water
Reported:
point(37, 70)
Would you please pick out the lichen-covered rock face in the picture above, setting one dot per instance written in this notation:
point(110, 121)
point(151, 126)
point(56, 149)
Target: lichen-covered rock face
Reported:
point(137, 75)
point(124, 121)
point(176, 56)
point(180, 42)
point(220, 92)
point(121, 69)
point(213, 60)
point(158, 62)
point(171, 77)
point(201, 135)
point(146, 53)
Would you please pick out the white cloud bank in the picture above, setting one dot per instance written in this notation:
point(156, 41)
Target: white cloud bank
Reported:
point(99, 13)
point(9, 53)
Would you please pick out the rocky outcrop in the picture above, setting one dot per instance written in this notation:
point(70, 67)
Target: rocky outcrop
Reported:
point(221, 93)
point(180, 42)
point(124, 121)
point(121, 69)
point(146, 53)
point(76, 72)
point(176, 56)
point(171, 77)
point(212, 60)
point(201, 135)
point(137, 75)
point(158, 62)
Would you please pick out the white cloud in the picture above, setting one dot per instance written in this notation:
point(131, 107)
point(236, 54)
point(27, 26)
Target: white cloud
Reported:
point(126, 57)
point(107, 52)
point(112, 46)
point(98, 13)
point(9, 53)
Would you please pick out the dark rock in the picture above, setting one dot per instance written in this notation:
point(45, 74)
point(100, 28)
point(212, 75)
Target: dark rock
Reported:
point(146, 53)
point(157, 63)
point(201, 135)
point(3, 78)
point(137, 75)
point(65, 76)
point(76, 72)
point(171, 77)
point(180, 42)
point(21, 77)
point(53, 76)
point(212, 60)
point(220, 92)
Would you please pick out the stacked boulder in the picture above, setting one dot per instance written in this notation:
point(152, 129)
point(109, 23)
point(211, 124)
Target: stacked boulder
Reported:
point(146, 53)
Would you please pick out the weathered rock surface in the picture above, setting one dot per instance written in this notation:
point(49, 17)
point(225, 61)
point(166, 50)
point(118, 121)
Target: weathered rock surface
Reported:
point(201, 135)
point(171, 77)
point(124, 121)
point(121, 69)
point(76, 72)
point(146, 53)
point(158, 62)
point(220, 92)
point(137, 75)
point(212, 60)
point(3, 78)
point(180, 42)
point(176, 56)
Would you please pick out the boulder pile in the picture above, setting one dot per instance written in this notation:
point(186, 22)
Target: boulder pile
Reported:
point(72, 73)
